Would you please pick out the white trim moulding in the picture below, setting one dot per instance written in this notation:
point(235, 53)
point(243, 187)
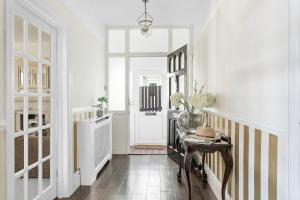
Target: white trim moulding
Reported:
point(253, 124)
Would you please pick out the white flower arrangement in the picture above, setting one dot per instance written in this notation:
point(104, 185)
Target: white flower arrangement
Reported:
point(195, 102)
point(177, 99)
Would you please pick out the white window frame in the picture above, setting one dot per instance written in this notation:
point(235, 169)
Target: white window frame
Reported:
point(127, 55)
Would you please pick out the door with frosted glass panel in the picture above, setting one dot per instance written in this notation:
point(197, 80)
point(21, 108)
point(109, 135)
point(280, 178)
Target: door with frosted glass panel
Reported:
point(33, 128)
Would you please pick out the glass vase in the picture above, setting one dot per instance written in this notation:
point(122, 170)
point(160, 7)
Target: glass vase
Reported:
point(187, 120)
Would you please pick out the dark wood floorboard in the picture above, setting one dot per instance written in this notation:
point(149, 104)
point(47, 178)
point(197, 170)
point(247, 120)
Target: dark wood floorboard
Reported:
point(142, 177)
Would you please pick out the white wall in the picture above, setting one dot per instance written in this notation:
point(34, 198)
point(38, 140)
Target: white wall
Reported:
point(86, 60)
point(242, 55)
point(2, 106)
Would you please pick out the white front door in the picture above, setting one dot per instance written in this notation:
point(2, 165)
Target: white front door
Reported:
point(147, 126)
point(32, 129)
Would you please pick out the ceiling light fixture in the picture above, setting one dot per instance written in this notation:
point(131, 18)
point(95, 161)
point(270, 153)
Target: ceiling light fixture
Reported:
point(145, 20)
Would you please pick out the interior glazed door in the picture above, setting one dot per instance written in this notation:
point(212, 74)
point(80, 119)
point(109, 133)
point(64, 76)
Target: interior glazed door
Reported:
point(32, 131)
point(177, 76)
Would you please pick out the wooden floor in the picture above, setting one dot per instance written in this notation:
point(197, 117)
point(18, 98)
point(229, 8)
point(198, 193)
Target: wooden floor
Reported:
point(142, 177)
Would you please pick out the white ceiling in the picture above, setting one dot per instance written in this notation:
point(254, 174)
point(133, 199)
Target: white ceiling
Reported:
point(125, 12)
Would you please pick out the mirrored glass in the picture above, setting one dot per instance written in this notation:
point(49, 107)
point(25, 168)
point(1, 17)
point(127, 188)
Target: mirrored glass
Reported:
point(46, 75)
point(46, 110)
point(46, 133)
point(33, 74)
point(33, 148)
point(33, 112)
point(33, 183)
point(33, 38)
point(18, 33)
point(46, 174)
point(19, 153)
point(19, 74)
point(46, 46)
point(19, 114)
point(19, 188)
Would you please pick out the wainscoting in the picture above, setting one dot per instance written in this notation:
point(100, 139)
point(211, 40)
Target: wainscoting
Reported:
point(260, 161)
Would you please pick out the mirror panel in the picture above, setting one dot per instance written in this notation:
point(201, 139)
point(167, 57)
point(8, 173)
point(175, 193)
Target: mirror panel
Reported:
point(33, 38)
point(18, 34)
point(46, 46)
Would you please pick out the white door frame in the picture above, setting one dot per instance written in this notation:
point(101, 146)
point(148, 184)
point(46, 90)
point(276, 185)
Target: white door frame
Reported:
point(48, 14)
point(294, 99)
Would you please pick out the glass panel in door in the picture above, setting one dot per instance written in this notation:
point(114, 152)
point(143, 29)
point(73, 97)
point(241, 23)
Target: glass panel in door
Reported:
point(32, 110)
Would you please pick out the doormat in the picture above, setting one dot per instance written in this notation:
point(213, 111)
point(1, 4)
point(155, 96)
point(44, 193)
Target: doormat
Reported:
point(142, 150)
point(154, 147)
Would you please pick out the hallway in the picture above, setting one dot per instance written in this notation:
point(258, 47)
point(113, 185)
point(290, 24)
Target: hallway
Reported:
point(141, 177)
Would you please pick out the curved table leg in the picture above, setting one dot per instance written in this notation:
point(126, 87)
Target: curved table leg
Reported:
point(204, 176)
point(178, 146)
point(187, 166)
point(228, 168)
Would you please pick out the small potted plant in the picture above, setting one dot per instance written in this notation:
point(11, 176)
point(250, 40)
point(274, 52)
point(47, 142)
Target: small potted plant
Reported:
point(100, 105)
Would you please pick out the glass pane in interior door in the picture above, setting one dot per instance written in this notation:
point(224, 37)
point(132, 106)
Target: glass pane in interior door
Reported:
point(46, 46)
point(19, 74)
point(33, 148)
point(46, 174)
point(181, 88)
point(33, 112)
point(19, 153)
point(18, 34)
point(182, 61)
point(181, 84)
point(19, 113)
point(171, 65)
point(33, 74)
point(173, 87)
point(19, 188)
point(46, 133)
point(46, 108)
point(46, 72)
point(33, 183)
point(177, 63)
point(33, 38)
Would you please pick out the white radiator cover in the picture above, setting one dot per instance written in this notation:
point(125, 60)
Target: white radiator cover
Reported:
point(95, 147)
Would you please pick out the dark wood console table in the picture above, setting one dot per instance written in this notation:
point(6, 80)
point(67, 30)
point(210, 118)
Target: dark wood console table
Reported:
point(190, 144)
